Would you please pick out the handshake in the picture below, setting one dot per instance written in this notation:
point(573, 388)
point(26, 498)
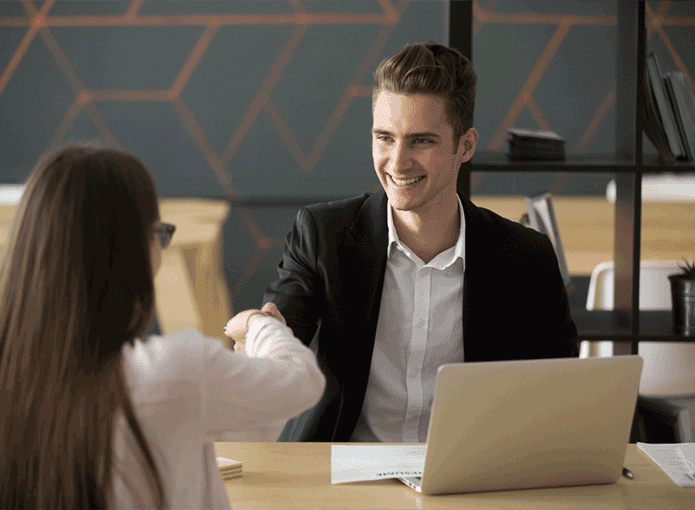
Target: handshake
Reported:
point(238, 326)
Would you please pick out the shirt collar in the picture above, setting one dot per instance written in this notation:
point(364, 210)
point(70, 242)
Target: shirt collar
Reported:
point(459, 247)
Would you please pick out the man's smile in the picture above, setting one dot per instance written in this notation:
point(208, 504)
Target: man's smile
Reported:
point(405, 182)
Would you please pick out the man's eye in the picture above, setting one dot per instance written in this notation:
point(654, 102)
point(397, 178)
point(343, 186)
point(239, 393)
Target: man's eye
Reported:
point(382, 138)
point(422, 141)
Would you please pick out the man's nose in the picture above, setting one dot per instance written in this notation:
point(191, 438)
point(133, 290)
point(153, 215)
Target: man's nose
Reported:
point(401, 157)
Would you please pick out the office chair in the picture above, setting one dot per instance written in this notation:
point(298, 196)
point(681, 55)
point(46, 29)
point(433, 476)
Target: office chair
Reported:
point(666, 403)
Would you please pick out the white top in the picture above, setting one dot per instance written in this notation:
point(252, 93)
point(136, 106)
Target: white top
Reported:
point(420, 328)
point(187, 388)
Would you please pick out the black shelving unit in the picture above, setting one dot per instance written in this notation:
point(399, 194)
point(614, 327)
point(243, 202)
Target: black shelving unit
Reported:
point(626, 324)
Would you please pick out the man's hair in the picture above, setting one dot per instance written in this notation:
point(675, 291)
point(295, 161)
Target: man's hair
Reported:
point(432, 69)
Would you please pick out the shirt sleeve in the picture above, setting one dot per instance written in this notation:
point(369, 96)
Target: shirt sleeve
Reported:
point(278, 378)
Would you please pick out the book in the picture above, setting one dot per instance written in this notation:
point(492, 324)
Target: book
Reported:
point(673, 101)
point(662, 107)
point(653, 127)
point(684, 110)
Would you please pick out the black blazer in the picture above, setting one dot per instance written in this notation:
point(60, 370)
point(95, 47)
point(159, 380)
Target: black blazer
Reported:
point(332, 274)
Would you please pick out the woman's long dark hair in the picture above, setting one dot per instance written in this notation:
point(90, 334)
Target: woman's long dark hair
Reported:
point(76, 284)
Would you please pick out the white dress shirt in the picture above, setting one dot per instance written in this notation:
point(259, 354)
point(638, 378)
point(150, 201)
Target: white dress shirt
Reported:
point(187, 388)
point(419, 328)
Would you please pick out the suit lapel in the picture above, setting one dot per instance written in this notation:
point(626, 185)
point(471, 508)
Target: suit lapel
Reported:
point(365, 257)
point(476, 266)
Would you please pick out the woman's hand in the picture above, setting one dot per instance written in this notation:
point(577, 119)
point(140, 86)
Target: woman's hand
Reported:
point(238, 326)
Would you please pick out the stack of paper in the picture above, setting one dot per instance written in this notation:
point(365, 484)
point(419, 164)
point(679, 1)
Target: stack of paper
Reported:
point(535, 144)
point(229, 469)
point(365, 462)
point(677, 460)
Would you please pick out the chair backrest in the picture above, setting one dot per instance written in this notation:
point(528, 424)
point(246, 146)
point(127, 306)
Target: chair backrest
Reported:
point(669, 368)
point(654, 292)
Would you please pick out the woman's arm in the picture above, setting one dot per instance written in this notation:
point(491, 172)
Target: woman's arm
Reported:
point(276, 377)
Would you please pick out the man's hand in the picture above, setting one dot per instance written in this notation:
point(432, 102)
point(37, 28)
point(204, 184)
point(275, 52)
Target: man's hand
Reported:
point(238, 326)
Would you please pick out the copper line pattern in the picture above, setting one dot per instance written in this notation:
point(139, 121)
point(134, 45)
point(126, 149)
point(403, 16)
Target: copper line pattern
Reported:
point(536, 113)
point(14, 21)
point(128, 95)
point(392, 14)
point(663, 7)
point(307, 164)
point(667, 21)
point(250, 223)
point(253, 263)
point(193, 59)
point(480, 14)
point(361, 91)
point(262, 243)
point(302, 18)
point(531, 82)
point(67, 69)
point(36, 23)
point(286, 135)
point(133, 9)
point(83, 95)
point(67, 122)
point(548, 19)
point(596, 120)
point(297, 6)
point(205, 146)
point(263, 95)
point(348, 97)
point(16, 58)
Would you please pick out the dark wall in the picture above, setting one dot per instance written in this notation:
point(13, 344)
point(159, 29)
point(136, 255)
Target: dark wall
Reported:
point(269, 101)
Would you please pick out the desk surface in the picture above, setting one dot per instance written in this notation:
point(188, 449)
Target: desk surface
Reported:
point(297, 476)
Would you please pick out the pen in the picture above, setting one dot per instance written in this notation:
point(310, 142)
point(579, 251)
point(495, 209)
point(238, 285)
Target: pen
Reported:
point(628, 474)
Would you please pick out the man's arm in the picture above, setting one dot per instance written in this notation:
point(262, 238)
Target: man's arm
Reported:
point(299, 290)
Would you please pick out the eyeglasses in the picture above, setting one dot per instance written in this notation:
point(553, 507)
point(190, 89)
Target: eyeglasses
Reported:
point(165, 232)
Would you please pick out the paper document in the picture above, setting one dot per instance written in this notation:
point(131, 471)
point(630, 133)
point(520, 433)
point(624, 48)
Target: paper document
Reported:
point(363, 462)
point(677, 460)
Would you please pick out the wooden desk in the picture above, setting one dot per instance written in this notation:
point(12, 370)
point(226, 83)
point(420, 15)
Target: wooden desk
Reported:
point(190, 288)
point(586, 228)
point(297, 476)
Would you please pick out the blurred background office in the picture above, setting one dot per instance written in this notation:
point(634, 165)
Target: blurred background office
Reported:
point(258, 107)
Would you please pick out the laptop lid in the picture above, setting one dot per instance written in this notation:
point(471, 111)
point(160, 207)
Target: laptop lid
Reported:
point(528, 424)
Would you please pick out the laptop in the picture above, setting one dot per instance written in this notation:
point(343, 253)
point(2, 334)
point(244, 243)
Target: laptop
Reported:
point(529, 424)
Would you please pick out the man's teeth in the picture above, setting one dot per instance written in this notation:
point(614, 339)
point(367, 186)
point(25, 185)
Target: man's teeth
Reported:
point(403, 182)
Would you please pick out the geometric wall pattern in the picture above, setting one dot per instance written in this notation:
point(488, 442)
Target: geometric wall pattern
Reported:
point(270, 99)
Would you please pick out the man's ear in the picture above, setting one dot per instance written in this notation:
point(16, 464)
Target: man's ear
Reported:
point(467, 144)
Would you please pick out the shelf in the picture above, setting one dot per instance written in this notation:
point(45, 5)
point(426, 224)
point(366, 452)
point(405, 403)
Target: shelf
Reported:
point(605, 163)
point(654, 326)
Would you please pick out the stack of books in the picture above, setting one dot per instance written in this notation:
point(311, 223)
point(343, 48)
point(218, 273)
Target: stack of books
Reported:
point(535, 145)
point(669, 113)
point(229, 469)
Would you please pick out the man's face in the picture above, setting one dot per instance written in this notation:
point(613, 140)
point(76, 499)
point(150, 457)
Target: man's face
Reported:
point(413, 151)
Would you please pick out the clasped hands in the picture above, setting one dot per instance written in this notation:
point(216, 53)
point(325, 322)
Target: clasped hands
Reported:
point(238, 326)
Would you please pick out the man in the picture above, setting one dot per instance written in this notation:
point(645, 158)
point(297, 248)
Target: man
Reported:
point(387, 287)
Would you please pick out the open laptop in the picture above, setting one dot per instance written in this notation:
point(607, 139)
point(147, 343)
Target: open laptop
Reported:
point(528, 424)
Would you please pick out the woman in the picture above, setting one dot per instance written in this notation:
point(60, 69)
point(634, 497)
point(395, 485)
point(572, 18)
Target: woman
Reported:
point(91, 413)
